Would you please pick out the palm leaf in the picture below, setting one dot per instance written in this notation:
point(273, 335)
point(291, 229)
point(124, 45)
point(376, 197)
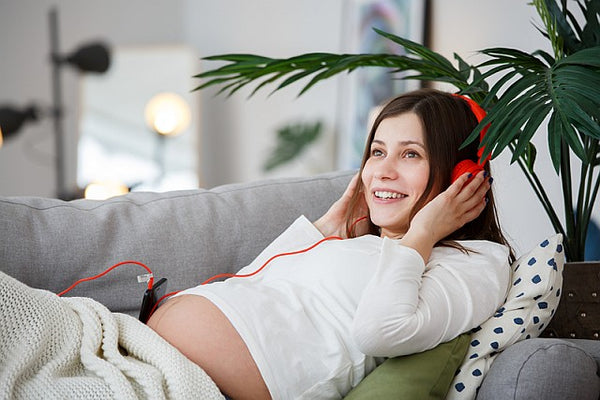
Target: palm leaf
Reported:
point(534, 120)
point(570, 41)
point(540, 90)
point(419, 50)
point(292, 140)
point(554, 141)
point(237, 58)
point(529, 156)
point(246, 68)
point(590, 36)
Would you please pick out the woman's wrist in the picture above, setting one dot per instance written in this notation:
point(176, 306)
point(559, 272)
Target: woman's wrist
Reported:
point(419, 240)
point(319, 225)
point(322, 225)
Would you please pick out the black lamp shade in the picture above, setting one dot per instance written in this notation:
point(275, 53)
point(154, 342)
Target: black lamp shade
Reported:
point(12, 119)
point(93, 57)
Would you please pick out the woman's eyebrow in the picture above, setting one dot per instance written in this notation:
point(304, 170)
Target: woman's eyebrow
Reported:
point(402, 143)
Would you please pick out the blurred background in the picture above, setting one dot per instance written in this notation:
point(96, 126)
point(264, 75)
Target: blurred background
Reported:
point(136, 123)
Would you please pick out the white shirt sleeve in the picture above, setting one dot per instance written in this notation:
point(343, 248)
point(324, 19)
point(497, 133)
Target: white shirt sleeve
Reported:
point(409, 307)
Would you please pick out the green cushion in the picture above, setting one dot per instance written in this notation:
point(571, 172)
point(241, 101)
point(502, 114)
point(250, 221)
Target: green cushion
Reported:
point(425, 375)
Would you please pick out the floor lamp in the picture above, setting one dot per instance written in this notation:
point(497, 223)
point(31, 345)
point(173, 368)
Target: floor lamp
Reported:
point(92, 57)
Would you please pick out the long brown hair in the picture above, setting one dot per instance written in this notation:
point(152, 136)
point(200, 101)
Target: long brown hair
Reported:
point(447, 121)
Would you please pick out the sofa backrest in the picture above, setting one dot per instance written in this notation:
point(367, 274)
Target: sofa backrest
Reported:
point(184, 236)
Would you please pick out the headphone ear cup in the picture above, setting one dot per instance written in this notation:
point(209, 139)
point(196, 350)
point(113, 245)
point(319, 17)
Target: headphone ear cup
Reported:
point(465, 166)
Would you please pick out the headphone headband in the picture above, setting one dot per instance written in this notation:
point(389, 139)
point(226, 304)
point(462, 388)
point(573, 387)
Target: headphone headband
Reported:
point(480, 114)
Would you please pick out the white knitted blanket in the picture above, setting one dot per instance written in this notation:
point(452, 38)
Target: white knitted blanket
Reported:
point(75, 348)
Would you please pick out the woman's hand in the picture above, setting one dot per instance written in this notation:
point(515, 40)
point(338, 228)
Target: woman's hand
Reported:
point(461, 203)
point(333, 223)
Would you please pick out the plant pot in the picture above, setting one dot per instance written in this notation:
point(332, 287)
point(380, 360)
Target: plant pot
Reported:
point(578, 313)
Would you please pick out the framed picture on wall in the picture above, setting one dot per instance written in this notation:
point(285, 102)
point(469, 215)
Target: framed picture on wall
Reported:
point(365, 89)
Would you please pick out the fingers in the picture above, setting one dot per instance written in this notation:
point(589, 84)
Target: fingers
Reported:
point(461, 203)
point(352, 186)
point(361, 209)
point(475, 211)
point(476, 187)
point(473, 195)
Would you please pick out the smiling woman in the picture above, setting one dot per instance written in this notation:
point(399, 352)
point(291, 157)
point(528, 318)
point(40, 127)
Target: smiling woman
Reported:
point(418, 261)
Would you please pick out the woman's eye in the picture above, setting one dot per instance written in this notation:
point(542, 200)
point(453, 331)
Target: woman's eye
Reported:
point(411, 154)
point(376, 153)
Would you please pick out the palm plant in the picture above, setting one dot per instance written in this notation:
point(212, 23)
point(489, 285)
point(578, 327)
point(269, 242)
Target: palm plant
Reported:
point(562, 88)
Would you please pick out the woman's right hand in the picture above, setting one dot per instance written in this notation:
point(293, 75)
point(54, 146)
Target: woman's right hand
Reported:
point(333, 222)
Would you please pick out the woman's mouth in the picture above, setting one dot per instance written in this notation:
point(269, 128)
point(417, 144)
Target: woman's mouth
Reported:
point(386, 195)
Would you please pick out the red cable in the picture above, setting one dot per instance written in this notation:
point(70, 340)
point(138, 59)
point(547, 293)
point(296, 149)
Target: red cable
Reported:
point(91, 278)
point(160, 300)
point(228, 275)
point(224, 275)
point(354, 223)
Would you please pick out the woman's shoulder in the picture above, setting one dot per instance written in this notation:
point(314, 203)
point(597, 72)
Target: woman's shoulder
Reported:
point(483, 245)
point(483, 264)
point(479, 251)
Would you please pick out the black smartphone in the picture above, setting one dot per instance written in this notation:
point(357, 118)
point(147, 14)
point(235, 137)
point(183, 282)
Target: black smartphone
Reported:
point(151, 297)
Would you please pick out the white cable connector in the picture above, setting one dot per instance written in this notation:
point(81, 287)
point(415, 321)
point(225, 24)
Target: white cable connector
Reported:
point(145, 278)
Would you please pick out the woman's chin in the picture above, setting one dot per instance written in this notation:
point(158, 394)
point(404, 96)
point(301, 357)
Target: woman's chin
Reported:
point(387, 229)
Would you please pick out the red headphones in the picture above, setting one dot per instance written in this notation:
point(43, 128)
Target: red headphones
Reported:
point(470, 166)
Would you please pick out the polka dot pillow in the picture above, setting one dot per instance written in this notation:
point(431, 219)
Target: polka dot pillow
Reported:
point(529, 306)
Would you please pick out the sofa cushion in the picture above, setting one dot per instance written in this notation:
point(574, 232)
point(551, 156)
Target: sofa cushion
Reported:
point(424, 376)
point(543, 369)
point(184, 236)
point(529, 306)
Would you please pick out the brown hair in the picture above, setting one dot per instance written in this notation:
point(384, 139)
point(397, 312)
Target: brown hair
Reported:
point(447, 121)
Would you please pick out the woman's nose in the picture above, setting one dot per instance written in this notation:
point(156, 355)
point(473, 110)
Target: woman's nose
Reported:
point(386, 169)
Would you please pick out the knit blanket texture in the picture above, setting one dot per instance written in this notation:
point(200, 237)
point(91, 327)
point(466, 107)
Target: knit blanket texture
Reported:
point(75, 348)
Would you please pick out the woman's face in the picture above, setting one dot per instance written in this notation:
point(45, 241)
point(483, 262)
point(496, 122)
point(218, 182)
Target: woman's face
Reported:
point(396, 173)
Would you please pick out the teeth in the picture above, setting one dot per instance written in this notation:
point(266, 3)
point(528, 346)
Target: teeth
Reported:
point(389, 195)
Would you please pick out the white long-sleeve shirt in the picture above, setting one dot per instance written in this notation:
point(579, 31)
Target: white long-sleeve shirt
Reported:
point(318, 322)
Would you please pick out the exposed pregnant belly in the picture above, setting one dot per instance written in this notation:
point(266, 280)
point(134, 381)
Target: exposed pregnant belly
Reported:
point(199, 330)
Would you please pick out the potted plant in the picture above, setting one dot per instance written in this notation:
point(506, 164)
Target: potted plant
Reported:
point(561, 89)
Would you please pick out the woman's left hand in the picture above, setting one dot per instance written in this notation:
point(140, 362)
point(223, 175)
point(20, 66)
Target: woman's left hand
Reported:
point(461, 203)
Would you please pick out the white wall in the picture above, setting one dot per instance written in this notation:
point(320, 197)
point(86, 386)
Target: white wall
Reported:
point(236, 132)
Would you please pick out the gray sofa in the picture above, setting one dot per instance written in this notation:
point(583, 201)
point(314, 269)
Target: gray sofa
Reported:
point(188, 236)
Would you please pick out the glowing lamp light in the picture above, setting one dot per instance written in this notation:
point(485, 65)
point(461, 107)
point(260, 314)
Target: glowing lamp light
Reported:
point(104, 190)
point(1, 139)
point(167, 114)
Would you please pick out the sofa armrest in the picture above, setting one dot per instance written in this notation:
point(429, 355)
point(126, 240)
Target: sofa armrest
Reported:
point(184, 236)
point(543, 369)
